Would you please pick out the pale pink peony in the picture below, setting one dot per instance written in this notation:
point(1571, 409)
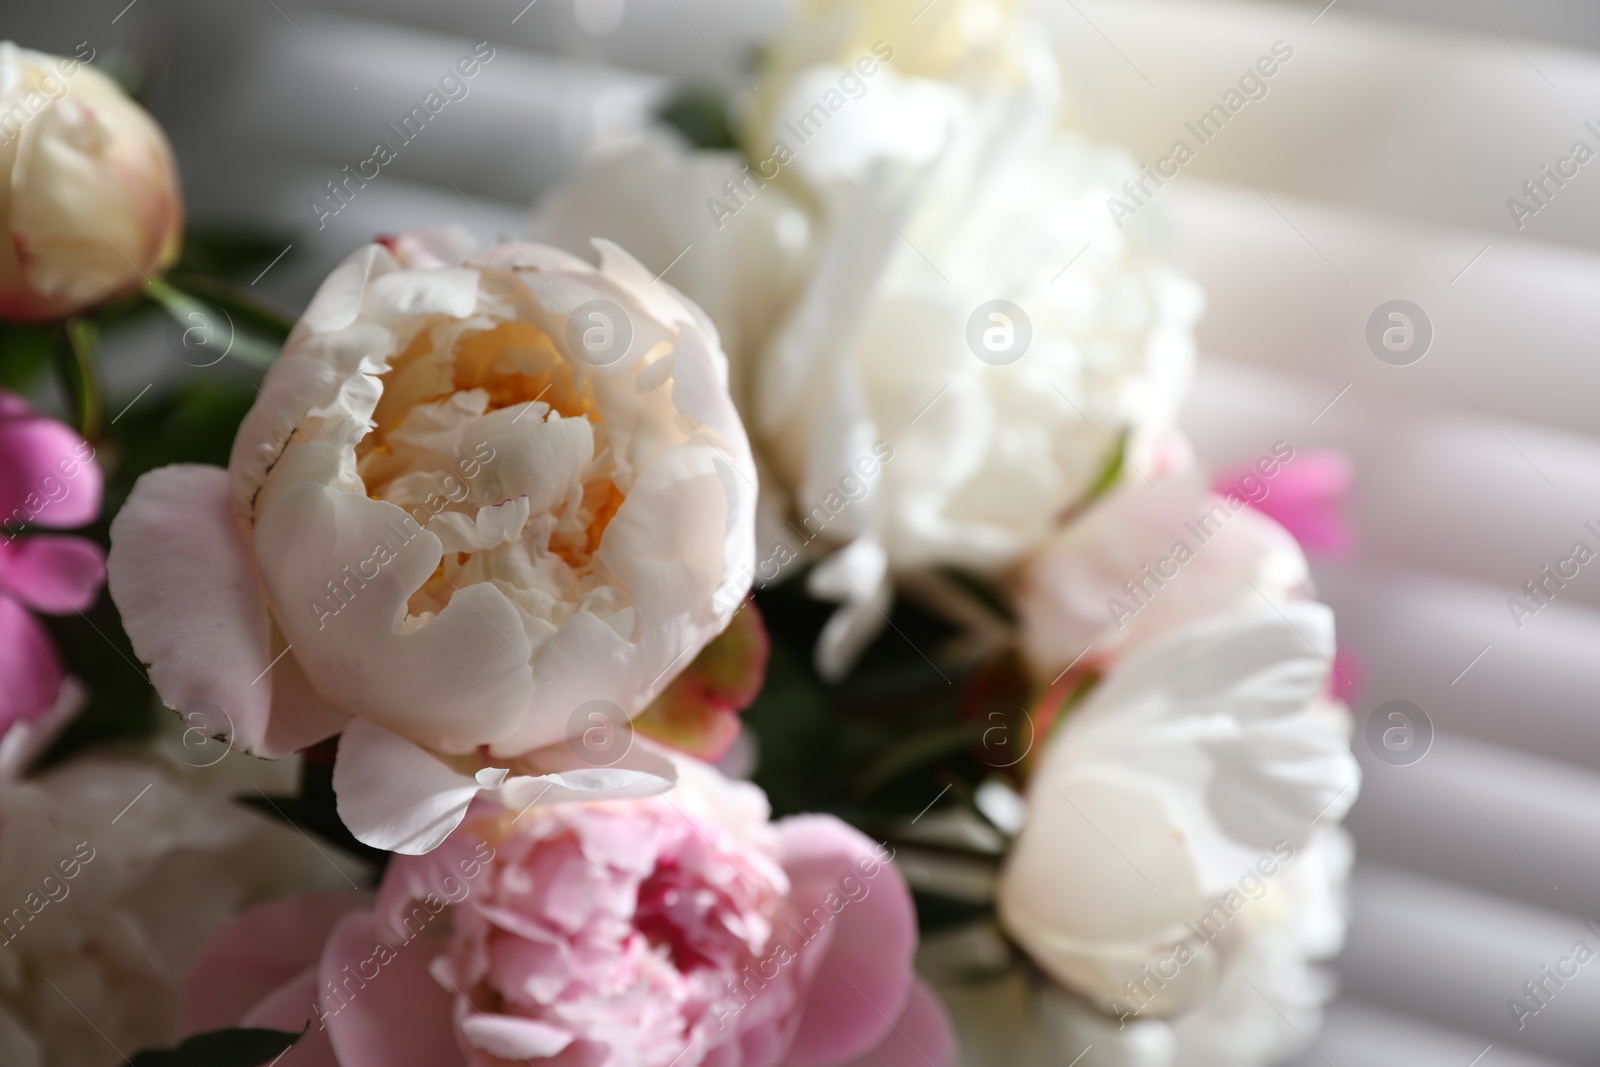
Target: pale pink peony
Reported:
point(481, 495)
point(47, 478)
point(678, 930)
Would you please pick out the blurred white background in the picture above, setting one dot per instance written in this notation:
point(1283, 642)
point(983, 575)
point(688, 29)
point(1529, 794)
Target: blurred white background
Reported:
point(1378, 167)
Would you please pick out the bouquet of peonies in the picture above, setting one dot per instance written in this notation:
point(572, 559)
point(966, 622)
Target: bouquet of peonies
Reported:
point(770, 617)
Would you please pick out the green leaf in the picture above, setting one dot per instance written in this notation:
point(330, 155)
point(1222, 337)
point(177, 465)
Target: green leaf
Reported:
point(1110, 473)
point(122, 705)
point(794, 729)
point(194, 424)
point(230, 253)
point(981, 589)
point(252, 312)
point(210, 327)
point(24, 354)
point(225, 1048)
point(701, 115)
point(918, 750)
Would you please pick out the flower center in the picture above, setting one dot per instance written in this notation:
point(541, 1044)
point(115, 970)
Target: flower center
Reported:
point(444, 444)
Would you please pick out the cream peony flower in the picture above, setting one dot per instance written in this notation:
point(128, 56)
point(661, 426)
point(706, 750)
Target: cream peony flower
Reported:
point(482, 506)
point(966, 300)
point(992, 324)
point(1270, 996)
point(90, 201)
point(1273, 995)
point(114, 871)
point(976, 46)
point(1199, 760)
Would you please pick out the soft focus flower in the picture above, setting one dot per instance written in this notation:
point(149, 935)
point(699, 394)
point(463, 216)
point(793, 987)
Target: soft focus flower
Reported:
point(90, 201)
point(477, 500)
point(651, 197)
point(682, 929)
point(1306, 499)
point(1144, 562)
point(114, 870)
point(887, 346)
point(47, 478)
point(935, 61)
point(1269, 998)
point(1196, 759)
point(1274, 994)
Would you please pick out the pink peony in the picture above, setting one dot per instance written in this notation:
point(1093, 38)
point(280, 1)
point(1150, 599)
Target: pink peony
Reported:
point(673, 931)
point(47, 478)
point(1306, 497)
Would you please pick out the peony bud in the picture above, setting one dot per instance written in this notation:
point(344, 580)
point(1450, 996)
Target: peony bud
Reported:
point(90, 201)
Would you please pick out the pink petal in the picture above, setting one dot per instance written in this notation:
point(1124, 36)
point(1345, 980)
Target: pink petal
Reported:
point(1305, 497)
point(25, 740)
point(257, 953)
point(54, 574)
point(864, 977)
point(389, 1014)
point(29, 665)
point(192, 605)
point(290, 1007)
point(47, 472)
point(922, 1036)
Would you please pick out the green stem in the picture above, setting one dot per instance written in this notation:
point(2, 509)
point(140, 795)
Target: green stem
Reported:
point(76, 351)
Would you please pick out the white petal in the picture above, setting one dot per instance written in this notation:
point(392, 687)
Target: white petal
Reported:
point(857, 578)
point(511, 1037)
point(458, 680)
point(394, 795)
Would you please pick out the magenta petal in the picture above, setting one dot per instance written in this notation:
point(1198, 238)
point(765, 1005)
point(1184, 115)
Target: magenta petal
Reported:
point(30, 669)
point(922, 1036)
point(388, 1010)
point(1305, 497)
point(250, 957)
point(862, 981)
point(54, 574)
point(47, 472)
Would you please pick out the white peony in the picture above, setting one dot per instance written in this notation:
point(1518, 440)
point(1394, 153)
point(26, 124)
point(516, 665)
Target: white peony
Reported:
point(486, 503)
point(1195, 770)
point(927, 201)
point(1269, 995)
point(115, 868)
